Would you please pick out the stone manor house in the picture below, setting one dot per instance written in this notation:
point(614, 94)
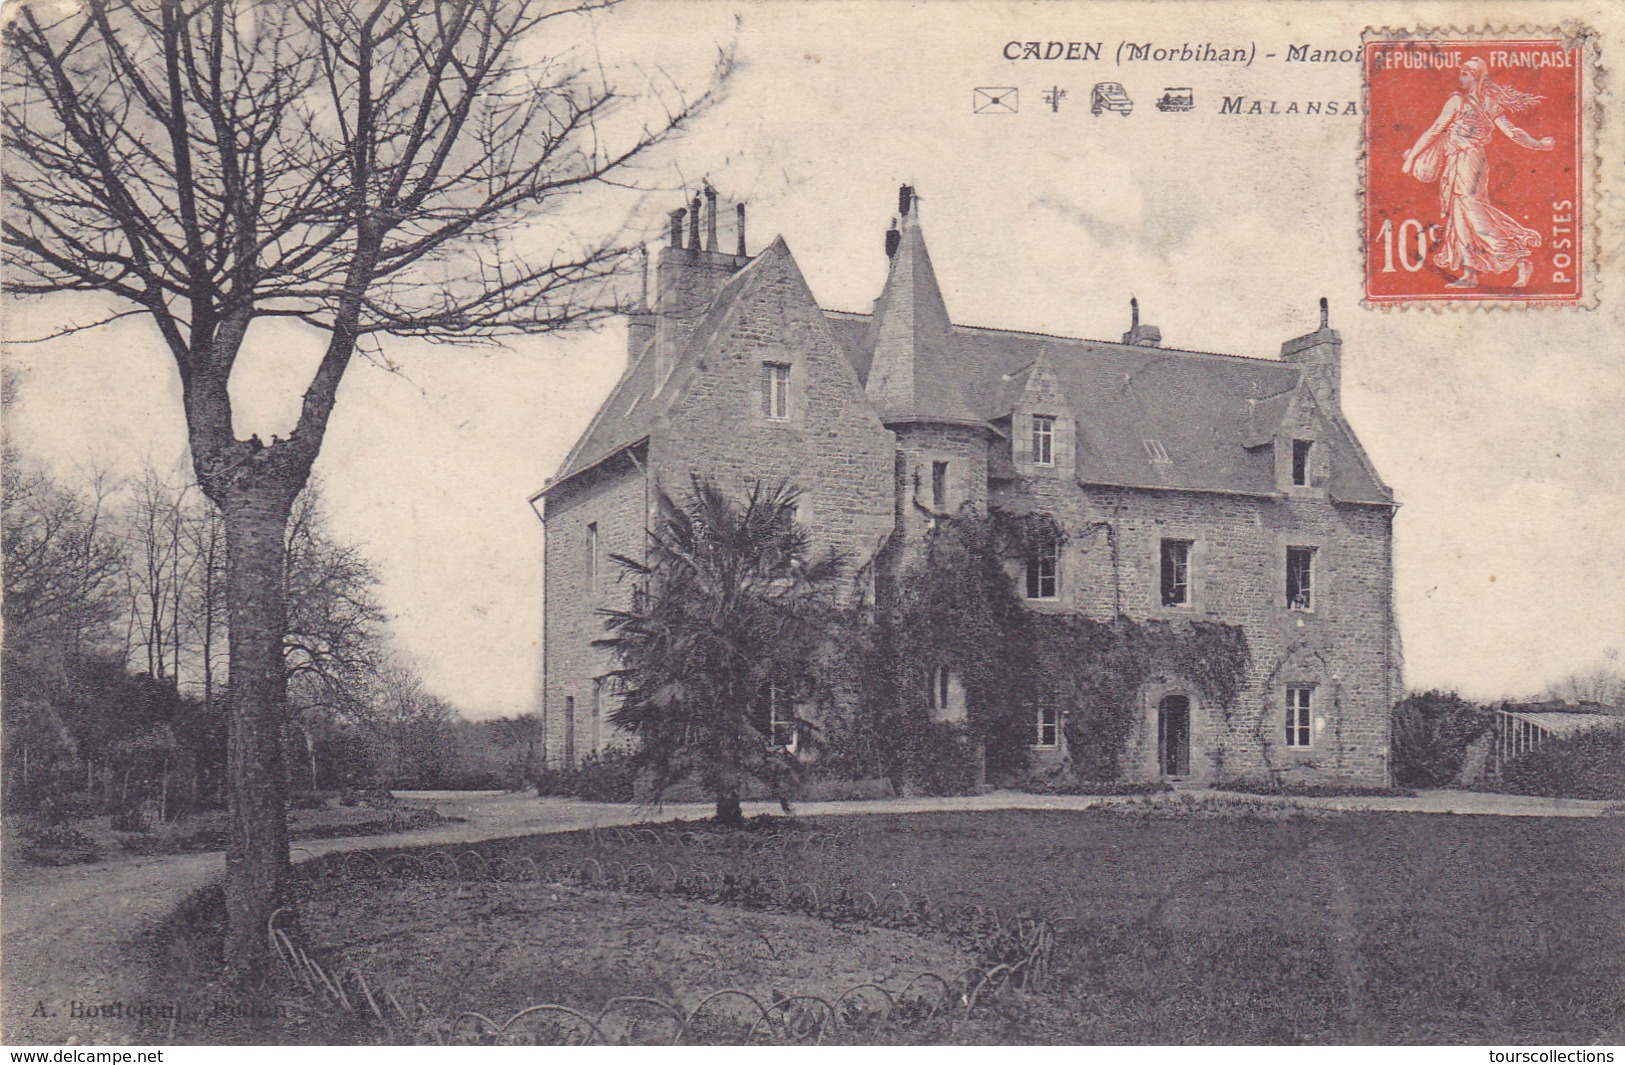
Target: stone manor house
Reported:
point(1190, 485)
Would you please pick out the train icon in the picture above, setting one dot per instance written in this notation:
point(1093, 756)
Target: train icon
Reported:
point(1178, 99)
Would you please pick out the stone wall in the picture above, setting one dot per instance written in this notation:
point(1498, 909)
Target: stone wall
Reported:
point(614, 499)
point(830, 445)
point(1341, 648)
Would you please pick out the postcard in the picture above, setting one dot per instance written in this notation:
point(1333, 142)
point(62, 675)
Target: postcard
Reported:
point(750, 522)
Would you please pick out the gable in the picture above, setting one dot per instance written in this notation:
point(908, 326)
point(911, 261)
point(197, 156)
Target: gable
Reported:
point(827, 440)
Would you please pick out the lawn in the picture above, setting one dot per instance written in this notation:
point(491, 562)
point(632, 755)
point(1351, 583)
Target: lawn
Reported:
point(1203, 928)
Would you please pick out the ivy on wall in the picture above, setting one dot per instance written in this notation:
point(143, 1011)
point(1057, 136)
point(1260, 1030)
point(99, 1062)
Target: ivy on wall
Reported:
point(955, 605)
point(1097, 670)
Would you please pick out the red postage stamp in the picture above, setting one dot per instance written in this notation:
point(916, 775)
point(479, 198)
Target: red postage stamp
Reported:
point(1475, 169)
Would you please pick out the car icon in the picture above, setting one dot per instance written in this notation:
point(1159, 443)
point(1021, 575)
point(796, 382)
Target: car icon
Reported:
point(1109, 96)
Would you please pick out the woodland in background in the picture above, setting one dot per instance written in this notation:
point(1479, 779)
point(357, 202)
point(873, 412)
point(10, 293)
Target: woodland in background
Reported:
point(114, 661)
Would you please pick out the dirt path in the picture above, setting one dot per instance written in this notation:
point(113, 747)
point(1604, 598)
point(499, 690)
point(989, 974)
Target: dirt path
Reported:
point(74, 935)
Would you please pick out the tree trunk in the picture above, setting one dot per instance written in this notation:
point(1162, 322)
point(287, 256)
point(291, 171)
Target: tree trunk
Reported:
point(257, 867)
point(728, 810)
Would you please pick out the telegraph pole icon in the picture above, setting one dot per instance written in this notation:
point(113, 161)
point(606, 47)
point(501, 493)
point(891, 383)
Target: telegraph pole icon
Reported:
point(1053, 96)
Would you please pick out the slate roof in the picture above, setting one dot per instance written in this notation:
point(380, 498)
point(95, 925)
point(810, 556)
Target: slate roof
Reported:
point(624, 419)
point(913, 373)
point(1209, 414)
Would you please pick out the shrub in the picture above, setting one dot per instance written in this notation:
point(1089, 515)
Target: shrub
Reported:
point(1271, 787)
point(61, 844)
point(942, 760)
point(1430, 735)
point(1065, 784)
point(607, 777)
point(1587, 765)
point(828, 790)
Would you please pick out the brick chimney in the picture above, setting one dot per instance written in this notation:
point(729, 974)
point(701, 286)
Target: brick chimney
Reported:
point(687, 280)
point(1141, 336)
point(1321, 355)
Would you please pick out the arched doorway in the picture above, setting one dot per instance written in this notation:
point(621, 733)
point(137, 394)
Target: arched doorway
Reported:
point(1174, 736)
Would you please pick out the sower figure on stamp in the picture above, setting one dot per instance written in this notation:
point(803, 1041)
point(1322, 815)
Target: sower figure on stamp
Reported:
point(1478, 236)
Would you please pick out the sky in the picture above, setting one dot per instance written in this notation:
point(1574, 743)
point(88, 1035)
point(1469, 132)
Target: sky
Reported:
point(1499, 430)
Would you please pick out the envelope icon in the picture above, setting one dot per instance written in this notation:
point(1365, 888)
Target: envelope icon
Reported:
point(995, 101)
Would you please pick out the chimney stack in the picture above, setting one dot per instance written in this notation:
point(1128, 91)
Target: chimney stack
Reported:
point(905, 199)
point(687, 279)
point(710, 217)
point(893, 239)
point(1321, 355)
point(1141, 336)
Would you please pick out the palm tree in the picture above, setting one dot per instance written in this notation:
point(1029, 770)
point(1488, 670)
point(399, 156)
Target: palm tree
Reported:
point(729, 612)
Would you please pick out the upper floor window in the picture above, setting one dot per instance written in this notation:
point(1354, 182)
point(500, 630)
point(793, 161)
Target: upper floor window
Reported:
point(776, 391)
point(1299, 718)
point(1300, 578)
point(1300, 462)
point(1043, 572)
point(592, 558)
point(1176, 572)
point(1044, 439)
point(939, 486)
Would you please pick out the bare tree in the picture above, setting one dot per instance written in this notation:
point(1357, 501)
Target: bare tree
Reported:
point(360, 167)
point(336, 640)
point(161, 575)
point(1603, 684)
point(62, 563)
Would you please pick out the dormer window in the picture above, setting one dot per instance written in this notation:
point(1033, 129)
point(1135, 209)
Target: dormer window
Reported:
point(1043, 440)
point(1301, 450)
point(776, 391)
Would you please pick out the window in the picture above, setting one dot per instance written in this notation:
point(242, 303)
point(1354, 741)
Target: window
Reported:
point(1300, 462)
point(570, 730)
point(781, 719)
point(1044, 440)
point(1176, 573)
point(597, 715)
point(776, 391)
point(1043, 578)
point(947, 696)
point(1049, 726)
point(1298, 719)
point(592, 558)
point(1300, 576)
point(939, 486)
